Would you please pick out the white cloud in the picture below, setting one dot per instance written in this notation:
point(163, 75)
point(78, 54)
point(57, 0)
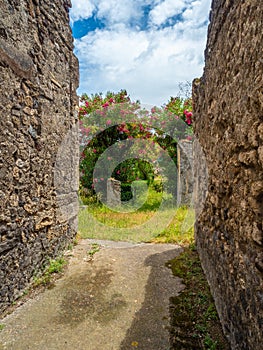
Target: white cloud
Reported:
point(148, 63)
point(111, 11)
point(116, 11)
point(165, 10)
point(196, 14)
point(81, 9)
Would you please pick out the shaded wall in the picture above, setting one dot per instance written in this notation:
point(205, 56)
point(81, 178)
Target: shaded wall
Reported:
point(38, 139)
point(185, 181)
point(228, 112)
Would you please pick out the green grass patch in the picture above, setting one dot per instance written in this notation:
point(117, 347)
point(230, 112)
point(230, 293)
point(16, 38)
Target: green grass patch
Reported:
point(53, 267)
point(95, 248)
point(156, 220)
point(194, 320)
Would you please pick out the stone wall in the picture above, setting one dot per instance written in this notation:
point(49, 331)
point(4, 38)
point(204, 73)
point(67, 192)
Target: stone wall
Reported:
point(38, 139)
point(228, 113)
point(185, 173)
point(113, 193)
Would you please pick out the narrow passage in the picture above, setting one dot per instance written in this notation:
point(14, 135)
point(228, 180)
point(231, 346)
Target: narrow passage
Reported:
point(116, 299)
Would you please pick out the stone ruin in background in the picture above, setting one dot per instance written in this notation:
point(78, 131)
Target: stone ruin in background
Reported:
point(113, 193)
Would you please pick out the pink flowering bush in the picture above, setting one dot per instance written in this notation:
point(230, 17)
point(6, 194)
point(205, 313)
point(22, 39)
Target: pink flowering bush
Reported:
point(106, 121)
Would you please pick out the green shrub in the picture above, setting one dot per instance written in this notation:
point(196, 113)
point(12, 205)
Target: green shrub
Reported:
point(126, 192)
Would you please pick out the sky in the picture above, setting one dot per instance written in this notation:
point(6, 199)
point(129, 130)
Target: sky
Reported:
point(146, 47)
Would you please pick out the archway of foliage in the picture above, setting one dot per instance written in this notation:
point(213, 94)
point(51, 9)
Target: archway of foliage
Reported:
point(110, 120)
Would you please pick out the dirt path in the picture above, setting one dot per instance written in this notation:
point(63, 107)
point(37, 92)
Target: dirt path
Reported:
point(117, 301)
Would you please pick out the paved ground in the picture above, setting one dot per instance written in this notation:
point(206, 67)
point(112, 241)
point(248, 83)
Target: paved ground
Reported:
point(117, 301)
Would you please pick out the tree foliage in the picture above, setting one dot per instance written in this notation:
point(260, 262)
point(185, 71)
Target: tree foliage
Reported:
point(113, 125)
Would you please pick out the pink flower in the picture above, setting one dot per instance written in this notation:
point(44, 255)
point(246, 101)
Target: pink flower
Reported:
point(86, 104)
point(102, 179)
point(106, 104)
point(111, 100)
point(108, 122)
point(86, 131)
point(118, 172)
point(188, 117)
point(94, 150)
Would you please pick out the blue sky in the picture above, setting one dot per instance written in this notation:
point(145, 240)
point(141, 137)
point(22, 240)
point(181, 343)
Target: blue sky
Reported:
point(146, 47)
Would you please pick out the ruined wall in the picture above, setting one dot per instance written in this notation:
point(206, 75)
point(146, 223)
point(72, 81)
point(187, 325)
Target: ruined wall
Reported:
point(38, 139)
point(185, 173)
point(228, 112)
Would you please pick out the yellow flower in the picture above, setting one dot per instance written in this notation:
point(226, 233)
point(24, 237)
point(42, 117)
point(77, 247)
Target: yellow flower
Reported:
point(135, 344)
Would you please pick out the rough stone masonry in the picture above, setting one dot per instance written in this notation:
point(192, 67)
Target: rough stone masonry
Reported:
point(38, 139)
point(228, 112)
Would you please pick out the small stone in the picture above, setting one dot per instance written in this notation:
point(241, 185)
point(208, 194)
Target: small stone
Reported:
point(32, 132)
point(23, 237)
point(28, 111)
point(260, 131)
point(14, 200)
point(257, 235)
point(16, 112)
point(248, 158)
point(16, 173)
point(29, 101)
point(25, 88)
point(260, 153)
point(20, 163)
point(30, 208)
point(257, 188)
point(259, 262)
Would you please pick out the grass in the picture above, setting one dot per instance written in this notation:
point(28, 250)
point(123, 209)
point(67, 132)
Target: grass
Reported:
point(194, 320)
point(95, 247)
point(157, 220)
point(54, 266)
point(195, 323)
point(44, 278)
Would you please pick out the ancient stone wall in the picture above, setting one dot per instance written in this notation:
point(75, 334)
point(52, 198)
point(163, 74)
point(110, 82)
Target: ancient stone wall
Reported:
point(113, 192)
point(38, 139)
point(228, 113)
point(185, 173)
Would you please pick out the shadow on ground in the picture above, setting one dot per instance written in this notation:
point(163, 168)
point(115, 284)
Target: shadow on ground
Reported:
point(150, 328)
